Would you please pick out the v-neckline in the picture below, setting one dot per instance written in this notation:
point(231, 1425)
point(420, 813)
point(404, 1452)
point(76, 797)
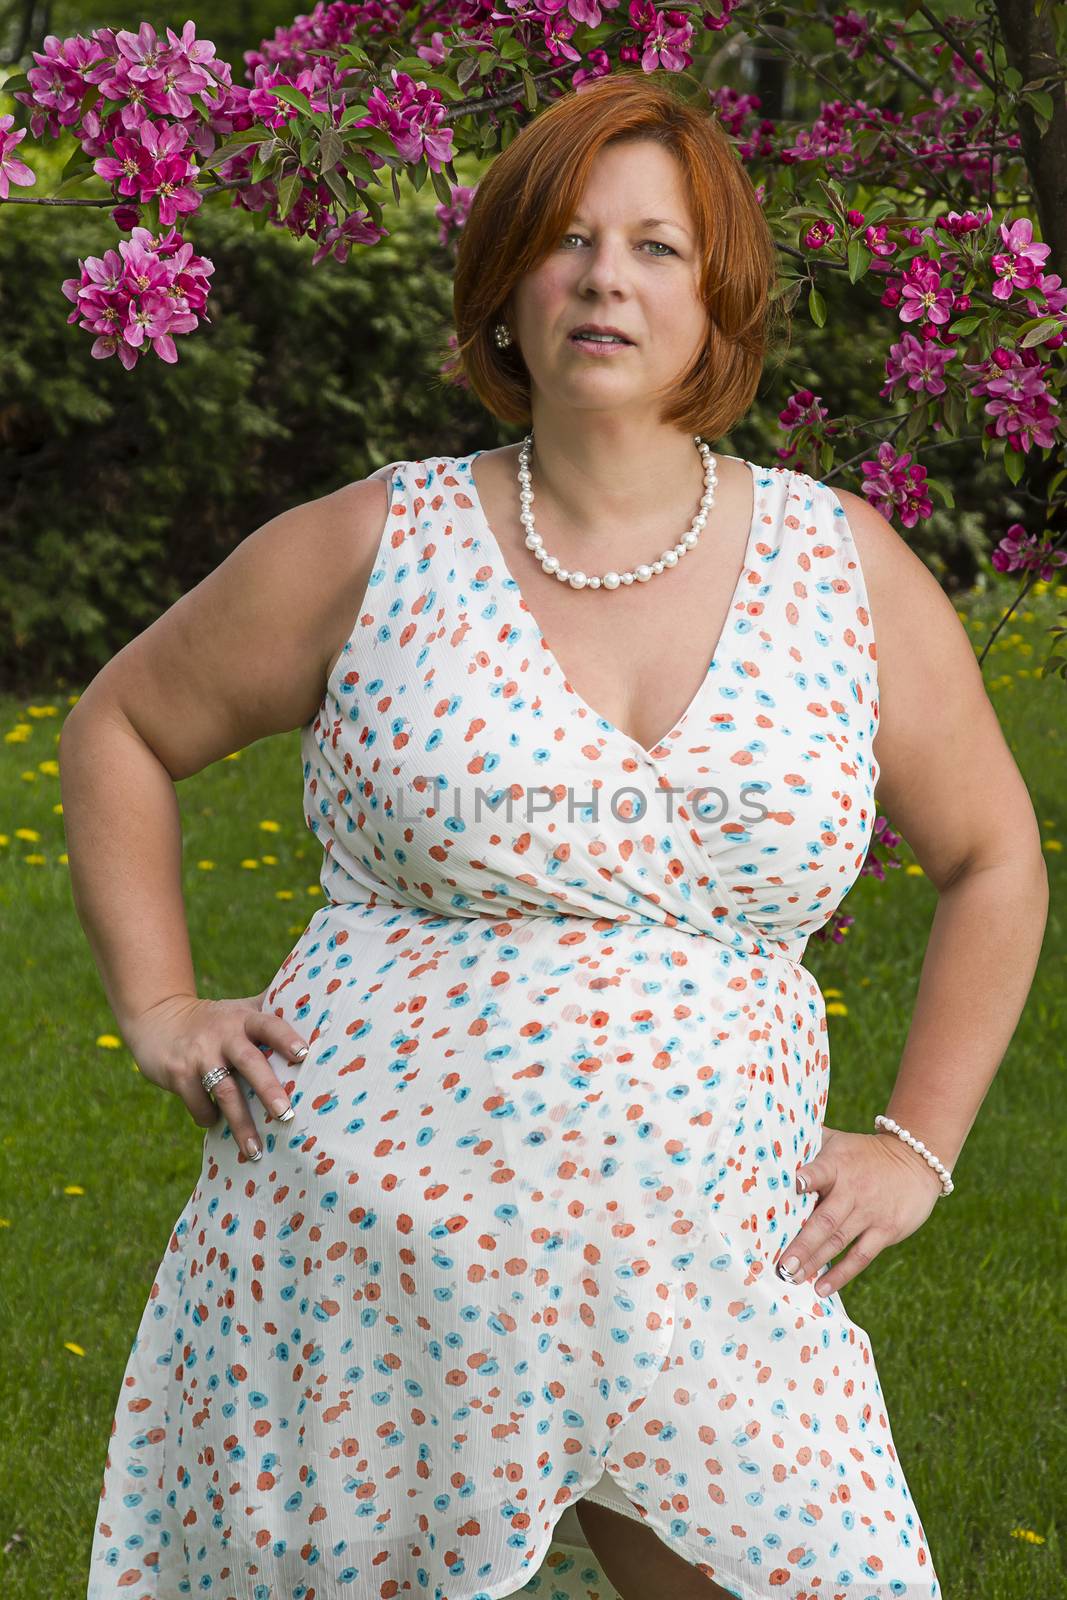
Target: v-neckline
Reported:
point(711, 671)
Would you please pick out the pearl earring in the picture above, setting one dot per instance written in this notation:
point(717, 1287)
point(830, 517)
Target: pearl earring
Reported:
point(502, 334)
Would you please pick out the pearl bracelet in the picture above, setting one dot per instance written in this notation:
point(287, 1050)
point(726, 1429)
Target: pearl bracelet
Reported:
point(917, 1144)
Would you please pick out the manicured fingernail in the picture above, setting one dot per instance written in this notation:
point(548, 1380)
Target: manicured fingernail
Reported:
point(283, 1110)
point(299, 1055)
point(802, 1183)
point(789, 1267)
point(254, 1150)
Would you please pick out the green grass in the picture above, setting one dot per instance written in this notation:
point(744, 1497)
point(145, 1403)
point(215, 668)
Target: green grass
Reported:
point(963, 1316)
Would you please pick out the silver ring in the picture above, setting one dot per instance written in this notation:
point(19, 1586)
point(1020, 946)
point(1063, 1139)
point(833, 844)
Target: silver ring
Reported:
point(216, 1075)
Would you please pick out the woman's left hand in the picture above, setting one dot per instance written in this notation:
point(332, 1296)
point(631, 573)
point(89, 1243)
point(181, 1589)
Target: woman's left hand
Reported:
point(874, 1189)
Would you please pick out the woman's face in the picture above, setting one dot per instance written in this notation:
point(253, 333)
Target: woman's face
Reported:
point(615, 266)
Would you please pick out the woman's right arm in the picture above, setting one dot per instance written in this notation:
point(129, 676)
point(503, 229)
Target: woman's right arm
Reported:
point(244, 654)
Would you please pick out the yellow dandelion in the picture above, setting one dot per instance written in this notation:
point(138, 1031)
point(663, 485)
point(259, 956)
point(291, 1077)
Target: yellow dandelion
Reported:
point(109, 1041)
point(35, 861)
point(234, 755)
point(5, 1222)
point(64, 859)
point(836, 1009)
point(270, 826)
point(68, 1344)
point(42, 711)
point(295, 927)
point(914, 870)
point(49, 767)
point(1027, 616)
point(1028, 1534)
point(832, 994)
point(72, 699)
point(250, 862)
point(5, 838)
point(28, 777)
point(74, 1188)
point(283, 894)
point(206, 866)
point(30, 834)
point(18, 734)
point(1053, 844)
point(57, 809)
point(269, 861)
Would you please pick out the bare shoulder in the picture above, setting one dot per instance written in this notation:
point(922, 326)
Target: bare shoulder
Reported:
point(947, 778)
point(247, 652)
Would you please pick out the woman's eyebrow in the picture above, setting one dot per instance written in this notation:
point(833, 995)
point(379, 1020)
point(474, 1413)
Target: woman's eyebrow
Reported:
point(647, 222)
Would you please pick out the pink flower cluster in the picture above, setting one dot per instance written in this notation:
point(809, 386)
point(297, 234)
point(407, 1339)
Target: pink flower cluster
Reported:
point(161, 104)
point(896, 485)
point(1019, 400)
point(149, 288)
point(1019, 550)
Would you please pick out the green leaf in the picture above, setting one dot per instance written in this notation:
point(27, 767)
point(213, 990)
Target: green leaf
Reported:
point(529, 90)
point(417, 173)
point(859, 259)
point(288, 190)
point(782, 286)
point(396, 186)
point(826, 456)
point(867, 143)
point(1013, 465)
point(78, 177)
point(330, 148)
point(1041, 102)
point(307, 144)
point(966, 325)
point(1013, 78)
point(442, 188)
point(234, 146)
point(1044, 330)
point(817, 307)
point(954, 410)
point(340, 188)
point(292, 97)
point(943, 492)
point(17, 80)
point(467, 70)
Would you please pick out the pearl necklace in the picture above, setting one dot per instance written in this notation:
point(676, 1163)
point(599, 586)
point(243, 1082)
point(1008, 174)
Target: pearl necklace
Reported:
point(612, 580)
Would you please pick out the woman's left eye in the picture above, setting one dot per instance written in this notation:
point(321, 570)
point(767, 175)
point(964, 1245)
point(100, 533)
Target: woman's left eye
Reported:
point(659, 242)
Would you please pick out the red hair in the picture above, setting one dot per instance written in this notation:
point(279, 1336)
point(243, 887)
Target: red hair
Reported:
point(529, 194)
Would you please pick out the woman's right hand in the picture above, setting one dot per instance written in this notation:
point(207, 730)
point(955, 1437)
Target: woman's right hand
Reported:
point(177, 1041)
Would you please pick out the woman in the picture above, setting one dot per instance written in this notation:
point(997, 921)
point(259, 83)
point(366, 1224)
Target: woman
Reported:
point(526, 1234)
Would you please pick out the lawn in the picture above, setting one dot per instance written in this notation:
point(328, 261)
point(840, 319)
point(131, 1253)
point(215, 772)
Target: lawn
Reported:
point(97, 1162)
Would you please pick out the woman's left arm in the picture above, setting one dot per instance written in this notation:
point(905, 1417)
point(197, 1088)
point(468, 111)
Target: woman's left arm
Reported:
point(949, 784)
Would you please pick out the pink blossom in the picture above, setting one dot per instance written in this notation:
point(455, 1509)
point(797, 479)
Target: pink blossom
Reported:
point(1019, 401)
point(1020, 268)
point(411, 116)
point(877, 240)
point(11, 169)
point(920, 361)
point(818, 234)
point(357, 228)
point(1021, 550)
point(922, 294)
point(896, 486)
point(802, 407)
point(664, 43)
point(852, 34)
point(958, 224)
point(151, 288)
